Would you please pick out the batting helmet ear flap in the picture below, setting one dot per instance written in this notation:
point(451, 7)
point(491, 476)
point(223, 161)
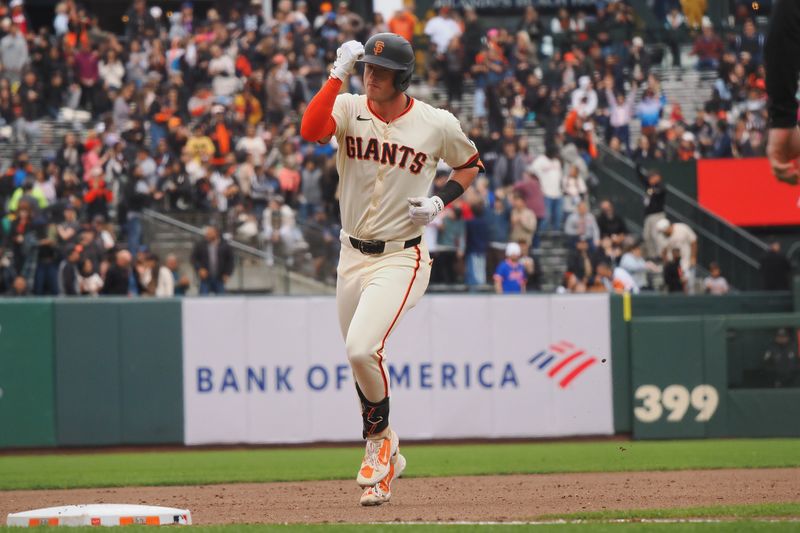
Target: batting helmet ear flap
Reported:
point(402, 79)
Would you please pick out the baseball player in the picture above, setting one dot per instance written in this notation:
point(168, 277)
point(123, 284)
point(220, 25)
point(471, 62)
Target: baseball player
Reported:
point(389, 146)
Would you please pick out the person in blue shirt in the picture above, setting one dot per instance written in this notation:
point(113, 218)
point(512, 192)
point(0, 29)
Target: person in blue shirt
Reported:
point(511, 276)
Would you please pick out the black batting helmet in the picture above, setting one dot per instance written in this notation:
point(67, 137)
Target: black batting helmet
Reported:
point(391, 51)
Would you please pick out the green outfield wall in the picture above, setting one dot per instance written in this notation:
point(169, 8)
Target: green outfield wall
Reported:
point(111, 371)
point(27, 407)
point(90, 373)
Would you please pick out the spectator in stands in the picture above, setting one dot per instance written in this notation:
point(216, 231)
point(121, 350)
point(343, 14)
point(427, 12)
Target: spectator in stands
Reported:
point(687, 147)
point(649, 110)
point(675, 33)
point(584, 98)
point(13, 54)
point(67, 231)
point(680, 236)
point(574, 181)
point(403, 23)
point(45, 281)
point(212, 259)
point(781, 361)
point(636, 265)
point(441, 29)
point(655, 198)
point(638, 61)
point(721, 143)
point(617, 279)
point(450, 245)
point(714, 282)
point(579, 261)
point(118, 277)
point(509, 167)
point(510, 276)
point(156, 279)
point(610, 223)
point(751, 41)
point(620, 112)
point(477, 245)
point(140, 22)
point(674, 277)
point(180, 281)
point(69, 272)
point(776, 270)
point(582, 223)
point(703, 133)
point(547, 167)
point(531, 190)
point(31, 93)
point(707, 47)
point(111, 70)
point(70, 155)
point(87, 71)
point(19, 288)
point(522, 222)
point(7, 273)
point(644, 151)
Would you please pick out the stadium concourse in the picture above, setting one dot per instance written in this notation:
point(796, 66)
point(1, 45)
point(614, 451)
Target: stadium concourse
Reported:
point(196, 115)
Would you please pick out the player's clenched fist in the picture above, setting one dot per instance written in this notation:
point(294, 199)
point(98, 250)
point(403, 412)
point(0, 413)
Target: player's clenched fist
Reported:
point(783, 151)
point(346, 57)
point(422, 210)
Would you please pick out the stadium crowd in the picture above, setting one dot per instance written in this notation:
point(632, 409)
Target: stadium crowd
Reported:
point(193, 113)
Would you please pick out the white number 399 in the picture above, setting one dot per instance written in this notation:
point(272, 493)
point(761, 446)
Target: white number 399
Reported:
point(675, 399)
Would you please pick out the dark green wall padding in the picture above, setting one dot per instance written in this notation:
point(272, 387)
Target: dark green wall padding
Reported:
point(27, 414)
point(120, 381)
point(690, 352)
point(659, 305)
point(90, 372)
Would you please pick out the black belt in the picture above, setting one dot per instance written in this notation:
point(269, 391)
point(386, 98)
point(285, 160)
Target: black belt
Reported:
point(377, 247)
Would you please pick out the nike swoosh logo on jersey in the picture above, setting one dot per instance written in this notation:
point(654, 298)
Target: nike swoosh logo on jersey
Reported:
point(358, 117)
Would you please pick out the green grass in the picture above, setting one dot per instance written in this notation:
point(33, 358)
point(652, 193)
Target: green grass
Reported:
point(760, 510)
point(192, 467)
point(593, 527)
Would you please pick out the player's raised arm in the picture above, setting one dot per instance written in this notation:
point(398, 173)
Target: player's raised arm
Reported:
point(318, 123)
point(782, 62)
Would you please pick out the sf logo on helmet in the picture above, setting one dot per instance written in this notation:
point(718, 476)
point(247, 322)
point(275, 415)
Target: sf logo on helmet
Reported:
point(378, 47)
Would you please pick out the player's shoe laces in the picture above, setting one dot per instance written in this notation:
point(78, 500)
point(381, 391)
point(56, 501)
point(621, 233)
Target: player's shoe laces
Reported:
point(382, 491)
point(377, 460)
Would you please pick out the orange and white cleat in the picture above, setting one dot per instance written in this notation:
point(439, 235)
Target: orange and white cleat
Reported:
point(377, 460)
point(382, 492)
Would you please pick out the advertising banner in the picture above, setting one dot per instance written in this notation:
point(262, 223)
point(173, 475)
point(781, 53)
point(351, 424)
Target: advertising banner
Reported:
point(745, 193)
point(274, 370)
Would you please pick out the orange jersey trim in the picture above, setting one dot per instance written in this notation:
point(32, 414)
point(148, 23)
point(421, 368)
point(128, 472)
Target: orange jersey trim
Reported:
point(406, 110)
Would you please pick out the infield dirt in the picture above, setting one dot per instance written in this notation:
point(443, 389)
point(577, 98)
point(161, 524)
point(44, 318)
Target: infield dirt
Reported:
point(484, 498)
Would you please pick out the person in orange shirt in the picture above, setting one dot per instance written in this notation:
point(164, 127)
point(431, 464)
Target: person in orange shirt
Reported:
point(403, 23)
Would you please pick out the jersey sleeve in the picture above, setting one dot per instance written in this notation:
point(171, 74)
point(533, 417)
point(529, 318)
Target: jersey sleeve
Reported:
point(501, 272)
point(457, 150)
point(344, 109)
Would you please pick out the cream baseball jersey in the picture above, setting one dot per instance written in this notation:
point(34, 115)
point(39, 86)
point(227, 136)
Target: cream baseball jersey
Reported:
point(383, 164)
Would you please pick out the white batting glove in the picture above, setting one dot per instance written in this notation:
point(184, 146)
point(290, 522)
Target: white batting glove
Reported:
point(346, 57)
point(422, 210)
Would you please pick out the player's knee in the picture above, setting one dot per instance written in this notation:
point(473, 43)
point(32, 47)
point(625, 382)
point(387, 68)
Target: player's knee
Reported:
point(359, 352)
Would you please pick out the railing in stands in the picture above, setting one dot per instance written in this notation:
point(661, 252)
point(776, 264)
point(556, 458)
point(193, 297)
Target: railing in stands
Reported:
point(734, 249)
point(241, 251)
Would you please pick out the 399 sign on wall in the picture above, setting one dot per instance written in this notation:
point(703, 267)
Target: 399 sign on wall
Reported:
point(673, 403)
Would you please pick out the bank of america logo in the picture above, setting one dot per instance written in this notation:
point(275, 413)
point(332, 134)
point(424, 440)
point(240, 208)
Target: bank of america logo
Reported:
point(563, 361)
